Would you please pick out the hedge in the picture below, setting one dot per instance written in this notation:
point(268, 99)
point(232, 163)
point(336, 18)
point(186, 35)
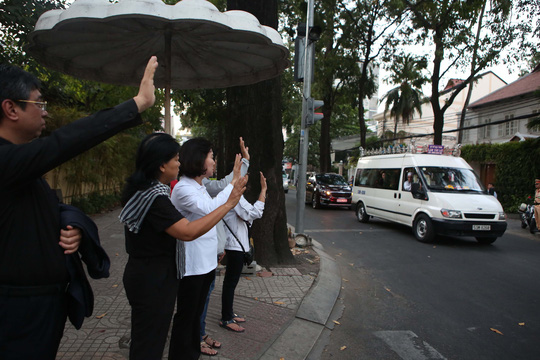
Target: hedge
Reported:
point(517, 165)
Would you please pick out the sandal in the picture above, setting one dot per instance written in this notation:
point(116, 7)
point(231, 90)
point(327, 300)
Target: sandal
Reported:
point(213, 343)
point(235, 327)
point(207, 350)
point(238, 319)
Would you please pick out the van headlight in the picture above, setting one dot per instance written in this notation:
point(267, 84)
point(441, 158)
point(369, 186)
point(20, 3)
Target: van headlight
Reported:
point(455, 214)
point(502, 216)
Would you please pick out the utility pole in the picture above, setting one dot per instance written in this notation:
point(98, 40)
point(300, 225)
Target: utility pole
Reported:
point(304, 130)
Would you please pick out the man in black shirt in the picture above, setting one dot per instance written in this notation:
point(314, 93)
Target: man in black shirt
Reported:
point(33, 246)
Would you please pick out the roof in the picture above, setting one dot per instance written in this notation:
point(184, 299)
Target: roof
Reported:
point(523, 86)
point(453, 82)
point(522, 137)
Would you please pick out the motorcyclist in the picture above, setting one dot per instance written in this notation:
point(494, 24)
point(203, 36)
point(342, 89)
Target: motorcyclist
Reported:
point(537, 203)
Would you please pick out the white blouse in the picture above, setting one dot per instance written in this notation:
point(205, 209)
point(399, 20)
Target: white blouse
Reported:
point(236, 218)
point(194, 202)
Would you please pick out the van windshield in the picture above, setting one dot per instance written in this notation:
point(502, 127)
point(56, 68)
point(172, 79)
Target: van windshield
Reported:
point(450, 179)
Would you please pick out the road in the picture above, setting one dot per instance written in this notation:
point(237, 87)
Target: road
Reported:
point(402, 299)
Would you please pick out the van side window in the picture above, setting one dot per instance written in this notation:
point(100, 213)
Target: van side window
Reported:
point(409, 177)
point(378, 178)
point(358, 178)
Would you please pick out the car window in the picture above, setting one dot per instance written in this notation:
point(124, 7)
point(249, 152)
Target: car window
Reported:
point(331, 179)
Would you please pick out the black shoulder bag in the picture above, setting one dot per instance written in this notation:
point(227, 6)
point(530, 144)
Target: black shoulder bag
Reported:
point(248, 255)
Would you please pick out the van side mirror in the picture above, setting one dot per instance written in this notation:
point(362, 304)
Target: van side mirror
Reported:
point(418, 192)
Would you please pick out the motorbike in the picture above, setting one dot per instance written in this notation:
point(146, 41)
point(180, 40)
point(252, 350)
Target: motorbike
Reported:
point(527, 217)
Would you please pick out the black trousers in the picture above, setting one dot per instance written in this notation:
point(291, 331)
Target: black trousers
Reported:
point(31, 327)
point(185, 335)
point(151, 287)
point(235, 264)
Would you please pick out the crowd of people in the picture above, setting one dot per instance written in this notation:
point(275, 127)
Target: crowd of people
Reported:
point(171, 238)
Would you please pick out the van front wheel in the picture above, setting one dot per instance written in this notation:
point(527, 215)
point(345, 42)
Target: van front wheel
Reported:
point(361, 214)
point(423, 229)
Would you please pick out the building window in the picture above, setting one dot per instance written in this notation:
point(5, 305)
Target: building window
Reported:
point(510, 127)
point(485, 131)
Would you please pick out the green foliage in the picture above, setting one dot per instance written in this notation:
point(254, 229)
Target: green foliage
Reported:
point(95, 202)
point(517, 165)
point(103, 167)
point(450, 27)
point(17, 20)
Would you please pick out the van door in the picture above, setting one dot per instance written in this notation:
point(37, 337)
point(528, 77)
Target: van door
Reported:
point(407, 204)
point(380, 197)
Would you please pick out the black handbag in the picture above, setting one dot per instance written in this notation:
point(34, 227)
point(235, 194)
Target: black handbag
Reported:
point(248, 255)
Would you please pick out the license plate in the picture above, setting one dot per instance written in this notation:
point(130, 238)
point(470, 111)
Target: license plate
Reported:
point(481, 227)
point(341, 200)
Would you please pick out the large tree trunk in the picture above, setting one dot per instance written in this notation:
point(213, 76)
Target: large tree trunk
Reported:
point(255, 114)
point(438, 114)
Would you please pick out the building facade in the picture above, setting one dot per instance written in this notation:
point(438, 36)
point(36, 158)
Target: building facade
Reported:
point(511, 107)
point(422, 124)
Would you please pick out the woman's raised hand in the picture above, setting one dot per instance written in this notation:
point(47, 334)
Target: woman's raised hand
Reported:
point(244, 149)
point(238, 189)
point(264, 187)
point(236, 169)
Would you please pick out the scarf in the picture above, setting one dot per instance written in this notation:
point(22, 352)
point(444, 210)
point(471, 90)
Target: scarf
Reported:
point(133, 213)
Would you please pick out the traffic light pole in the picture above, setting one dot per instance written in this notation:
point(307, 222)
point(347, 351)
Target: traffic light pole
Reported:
point(304, 130)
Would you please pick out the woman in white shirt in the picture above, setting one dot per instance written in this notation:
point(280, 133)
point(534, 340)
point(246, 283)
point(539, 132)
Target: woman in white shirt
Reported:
point(197, 271)
point(236, 227)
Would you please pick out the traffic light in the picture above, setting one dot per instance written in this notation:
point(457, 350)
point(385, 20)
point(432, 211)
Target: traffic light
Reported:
point(312, 116)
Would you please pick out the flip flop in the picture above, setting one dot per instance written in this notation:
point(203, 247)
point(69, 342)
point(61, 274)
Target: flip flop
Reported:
point(207, 349)
point(213, 343)
point(238, 319)
point(225, 325)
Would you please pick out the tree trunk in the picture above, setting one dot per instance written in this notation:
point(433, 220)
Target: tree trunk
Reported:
point(438, 114)
point(324, 140)
point(362, 94)
point(255, 114)
point(473, 67)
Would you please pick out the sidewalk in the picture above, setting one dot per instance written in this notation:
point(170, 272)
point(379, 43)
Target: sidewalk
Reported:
point(286, 312)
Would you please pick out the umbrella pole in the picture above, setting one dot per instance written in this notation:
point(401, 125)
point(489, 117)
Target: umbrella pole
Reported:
point(168, 128)
point(168, 125)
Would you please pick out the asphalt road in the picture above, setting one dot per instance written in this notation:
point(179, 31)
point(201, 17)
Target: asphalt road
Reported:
point(402, 299)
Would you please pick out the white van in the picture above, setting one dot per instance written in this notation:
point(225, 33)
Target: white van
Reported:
point(433, 194)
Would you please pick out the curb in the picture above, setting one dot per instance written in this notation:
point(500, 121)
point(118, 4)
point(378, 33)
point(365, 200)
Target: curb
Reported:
point(300, 337)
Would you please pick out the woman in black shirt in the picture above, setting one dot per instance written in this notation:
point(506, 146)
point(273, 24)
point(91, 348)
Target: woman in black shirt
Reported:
point(152, 225)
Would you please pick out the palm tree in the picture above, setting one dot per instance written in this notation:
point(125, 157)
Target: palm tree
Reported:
point(407, 98)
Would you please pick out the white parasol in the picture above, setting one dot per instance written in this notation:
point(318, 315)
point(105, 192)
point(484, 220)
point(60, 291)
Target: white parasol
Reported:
point(197, 45)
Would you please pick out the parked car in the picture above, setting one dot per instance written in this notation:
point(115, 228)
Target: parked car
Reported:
point(328, 190)
point(285, 182)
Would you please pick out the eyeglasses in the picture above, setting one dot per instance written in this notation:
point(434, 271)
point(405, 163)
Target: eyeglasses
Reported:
point(41, 104)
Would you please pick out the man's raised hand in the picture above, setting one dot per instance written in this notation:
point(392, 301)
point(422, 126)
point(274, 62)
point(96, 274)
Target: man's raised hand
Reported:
point(146, 96)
